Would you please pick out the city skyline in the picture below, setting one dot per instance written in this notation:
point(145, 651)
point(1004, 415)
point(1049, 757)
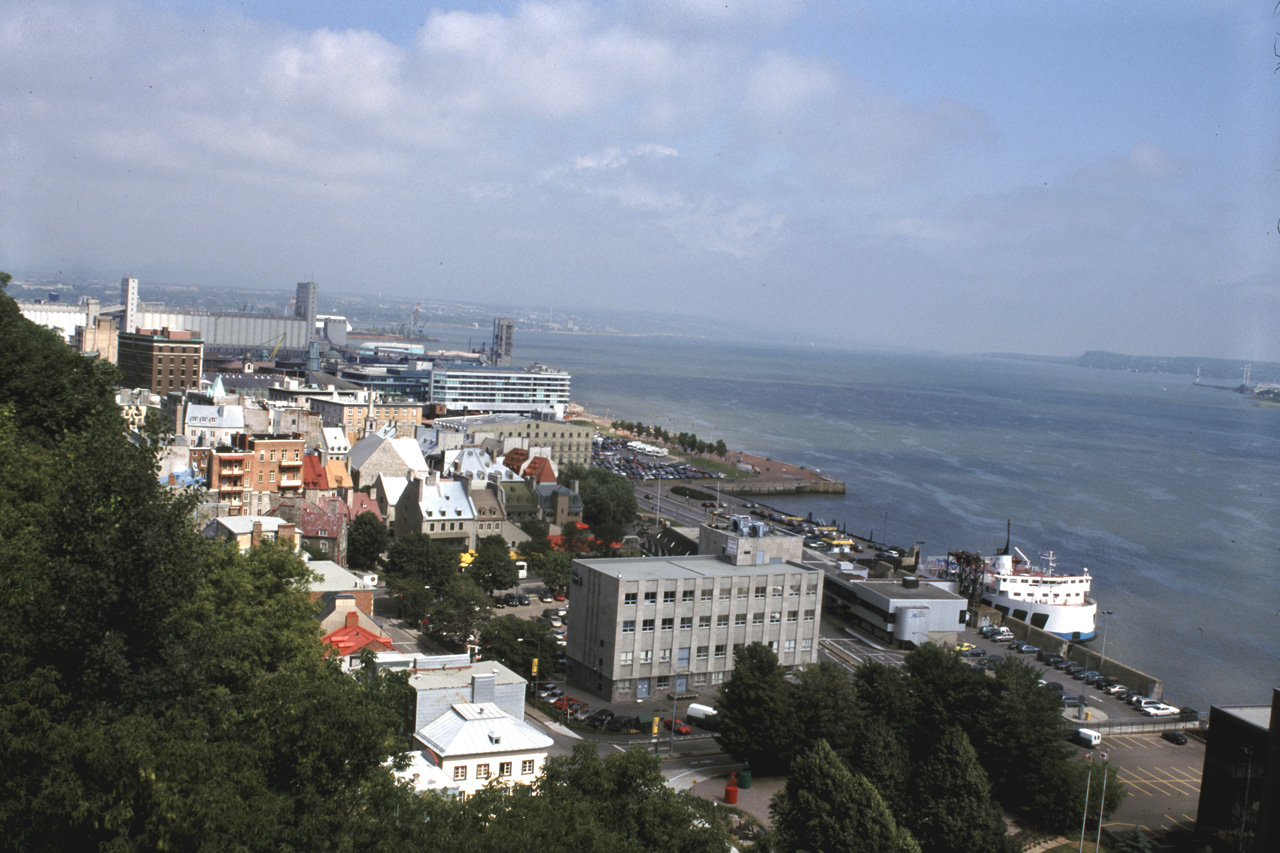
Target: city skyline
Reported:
point(969, 178)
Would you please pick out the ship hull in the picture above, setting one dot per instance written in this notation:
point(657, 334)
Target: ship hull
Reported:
point(1074, 622)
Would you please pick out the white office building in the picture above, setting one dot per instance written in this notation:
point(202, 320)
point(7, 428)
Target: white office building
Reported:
point(521, 390)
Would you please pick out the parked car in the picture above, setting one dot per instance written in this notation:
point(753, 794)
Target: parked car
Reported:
point(523, 599)
point(511, 600)
point(1159, 710)
point(988, 631)
point(1115, 689)
point(1083, 674)
point(546, 690)
point(681, 728)
point(559, 595)
point(1070, 700)
point(964, 647)
point(581, 712)
point(564, 703)
point(1028, 649)
point(973, 653)
point(499, 602)
point(1054, 686)
point(1175, 737)
point(623, 724)
point(547, 595)
point(599, 717)
point(1055, 660)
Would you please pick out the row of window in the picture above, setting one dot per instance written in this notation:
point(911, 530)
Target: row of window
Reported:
point(722, 621)
point(663, 682)
point(482, 770)
point(702, 652)
point(629, 599)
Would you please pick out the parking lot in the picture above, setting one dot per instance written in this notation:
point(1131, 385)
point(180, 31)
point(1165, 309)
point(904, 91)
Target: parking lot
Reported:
point(1163, 781)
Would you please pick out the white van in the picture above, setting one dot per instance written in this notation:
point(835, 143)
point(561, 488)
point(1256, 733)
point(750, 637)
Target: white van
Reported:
point(1088, 737)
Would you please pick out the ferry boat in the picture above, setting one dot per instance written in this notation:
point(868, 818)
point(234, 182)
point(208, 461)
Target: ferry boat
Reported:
point(1040, 596)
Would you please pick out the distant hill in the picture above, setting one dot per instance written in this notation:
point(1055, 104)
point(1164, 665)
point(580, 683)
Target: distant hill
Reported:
point(1225, 370)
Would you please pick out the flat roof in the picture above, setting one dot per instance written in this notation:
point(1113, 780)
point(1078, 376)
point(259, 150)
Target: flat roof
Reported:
point(694, 566)
point(1257, 715)
point(895, 590)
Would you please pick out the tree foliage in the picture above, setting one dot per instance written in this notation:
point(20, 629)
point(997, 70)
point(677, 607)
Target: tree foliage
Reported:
point(825, 807)
point(516, 642)
point(608, 499)
point(367, 539)
point(493, 567)
point(158, 690)
point(757, 719)
point(554, 568)
point(952, 810)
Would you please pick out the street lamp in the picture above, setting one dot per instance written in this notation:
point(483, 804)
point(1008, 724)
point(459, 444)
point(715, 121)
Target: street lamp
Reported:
point(675, 701)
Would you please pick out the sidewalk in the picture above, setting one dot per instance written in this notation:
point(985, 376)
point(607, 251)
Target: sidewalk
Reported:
point(754, 800)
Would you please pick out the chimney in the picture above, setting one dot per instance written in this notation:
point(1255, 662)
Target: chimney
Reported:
point(256, 536)
point(353, 618)
point(482, 687)
point(286, 532)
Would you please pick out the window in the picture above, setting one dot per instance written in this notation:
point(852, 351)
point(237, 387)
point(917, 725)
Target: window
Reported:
point(669, 596)
point(629, 626)
point(740, 619)
point(722, 621)
point(629, 599)
point(717, 676)
point(808, 615)
point(721, 650)
point(646, 656)
point(273, 459)
point(708, 594)
point(773, 646)
point(743, 594)
point(482, 771)
point(646, 627)
point(459, 772)
point(760, 591)
point(726, 594)
point(704, 621)
point(504, 769)
point(813, 589)
point(757, 618)
point(789, 646)
point(682, 659)
point(664, 655)
point(793, 615)
point(775, 618)
point(271, 477)
point(776, 592)
point(699, 678)
point(807, 644)
point(526, 766)
point(795, 590)
point(703, 651)
point(664, 682)
point(624, 658)
point(259, 476)
point(297, 454)
point(686, 622)
point(668, 623)
point(650, 598)
point(686, 595)
point(737, 647)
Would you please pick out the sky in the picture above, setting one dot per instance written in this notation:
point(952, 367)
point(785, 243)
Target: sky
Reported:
point(1031, 177)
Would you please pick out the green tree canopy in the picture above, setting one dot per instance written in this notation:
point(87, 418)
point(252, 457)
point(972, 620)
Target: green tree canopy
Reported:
point(553, 568)
point(823, 699)
point(367, 538)
point(608, 499)
point(952, 810)
point(516, 642)
point(757, 718)
point(825, 807)
point(493, 567)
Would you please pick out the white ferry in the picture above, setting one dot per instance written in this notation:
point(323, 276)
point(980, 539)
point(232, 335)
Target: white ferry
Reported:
point(1039, 596)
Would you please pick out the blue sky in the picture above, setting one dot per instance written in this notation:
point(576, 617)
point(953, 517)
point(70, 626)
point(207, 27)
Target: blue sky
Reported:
point(1033, 177)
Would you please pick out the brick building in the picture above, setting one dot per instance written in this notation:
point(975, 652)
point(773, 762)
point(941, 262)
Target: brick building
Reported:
point(161, 360)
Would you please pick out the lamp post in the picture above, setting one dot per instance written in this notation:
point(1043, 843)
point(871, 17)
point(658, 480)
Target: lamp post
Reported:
point(675, 701)
point(1102, 657)
point(1084, 817)
point(1102, 802)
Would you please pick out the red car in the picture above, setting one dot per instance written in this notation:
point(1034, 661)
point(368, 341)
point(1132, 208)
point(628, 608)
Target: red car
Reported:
point(559, 595)
point(565, 702)
point(681, 727)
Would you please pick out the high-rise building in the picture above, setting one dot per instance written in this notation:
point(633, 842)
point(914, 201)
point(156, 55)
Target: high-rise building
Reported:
point(503, 331)
point(304, 306)
point(161, 360)
point(129, 298)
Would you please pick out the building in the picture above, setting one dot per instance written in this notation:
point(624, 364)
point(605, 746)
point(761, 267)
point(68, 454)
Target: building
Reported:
point(903, 612)
point(440, 509)
point(366, 413)
point(248, 530)
point(304, 304)
point(160, 360)
point(252, 473)
point(658, 625)
point(441, 681)
point(1240, 785)
point(460, 387)
point(503, 334)
point(474, 743)
point(563, 441)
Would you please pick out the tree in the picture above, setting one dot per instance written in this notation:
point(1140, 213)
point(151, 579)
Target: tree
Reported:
point(824, 706)
point(417, 570)
point(825, 807)
point(553, 568)
point(721, 449)
point(515, 642)
point(367, 538)
point(608, 499)
point(157, 689)
point(461, 608)
point(493, 567)
point(952, 811)
point(537, 544)
point(877, 754)
point(757, 720)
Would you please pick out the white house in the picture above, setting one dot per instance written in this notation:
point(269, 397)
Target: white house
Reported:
point(476, 743)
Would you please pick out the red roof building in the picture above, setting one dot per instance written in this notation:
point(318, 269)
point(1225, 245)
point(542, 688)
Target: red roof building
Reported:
point(351, 639)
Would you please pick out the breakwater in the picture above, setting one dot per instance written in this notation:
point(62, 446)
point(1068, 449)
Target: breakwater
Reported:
point(783, 487)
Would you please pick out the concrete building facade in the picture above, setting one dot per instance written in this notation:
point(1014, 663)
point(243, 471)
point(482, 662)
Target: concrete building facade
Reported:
point(657, 625)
